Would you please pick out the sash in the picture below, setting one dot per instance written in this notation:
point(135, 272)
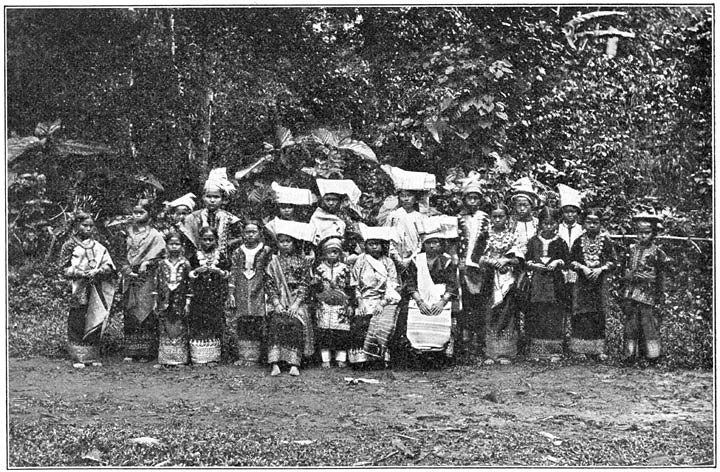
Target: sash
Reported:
point(97, 294)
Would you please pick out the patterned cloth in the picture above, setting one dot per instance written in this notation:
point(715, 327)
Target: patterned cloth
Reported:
point(224, 222)
point(173, 288)
point(332, 308)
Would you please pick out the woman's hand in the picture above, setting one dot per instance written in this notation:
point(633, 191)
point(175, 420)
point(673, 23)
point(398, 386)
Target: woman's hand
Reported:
point(423, 307)
point(554, 264)
point(437, 307)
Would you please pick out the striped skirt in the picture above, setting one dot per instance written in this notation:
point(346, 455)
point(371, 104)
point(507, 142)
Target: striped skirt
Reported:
point(380, 330)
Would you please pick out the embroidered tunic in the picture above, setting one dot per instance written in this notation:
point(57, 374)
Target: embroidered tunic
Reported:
point(332, 295)
point(173, 290)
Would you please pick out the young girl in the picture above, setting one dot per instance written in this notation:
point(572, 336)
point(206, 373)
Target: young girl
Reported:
point(404, 221)
point(328, 218)
point(217, 189)
point(172, 303)
point(644, 290)
point(145, 249)
point(247, 294)
point(375, 281)
point(431, 283)
point(592, 256)
point(209, 285)
point(473, 227)
point(333, 311)
point(290, 335)
point(502, 255)
point(524, 224)
point(549, 298)
point(88, 265)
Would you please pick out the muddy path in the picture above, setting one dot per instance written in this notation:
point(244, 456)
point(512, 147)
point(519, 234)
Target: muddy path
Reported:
point(523, 414)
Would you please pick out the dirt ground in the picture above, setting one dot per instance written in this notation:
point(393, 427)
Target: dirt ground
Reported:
point(523, 414)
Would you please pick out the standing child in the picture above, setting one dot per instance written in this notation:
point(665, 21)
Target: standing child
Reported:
point(473, 225)
point(145, 249)
point(502, 255)
point(644, 290)
point(290, 334)
point(216, 191)
point(247, 294)
point(592, 256)
point(88, 265)
point(209, 285)
point(333, 310)
point(172, 303)
point(376, 285)
point(549, 299)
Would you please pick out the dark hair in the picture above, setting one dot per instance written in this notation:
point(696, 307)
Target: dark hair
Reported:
point(298, 244)
point(384, 246)
point(501, 206)
point(80, 216)
point(594, 212)
point(252, 221)
point(173, 234)
point(207, 229)
point(548, 214)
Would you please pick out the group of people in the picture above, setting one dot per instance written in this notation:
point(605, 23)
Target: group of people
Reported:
point(361, 285)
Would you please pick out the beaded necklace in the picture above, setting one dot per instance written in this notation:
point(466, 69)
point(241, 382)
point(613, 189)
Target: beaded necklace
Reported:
point(89, 252)
point(592, 249)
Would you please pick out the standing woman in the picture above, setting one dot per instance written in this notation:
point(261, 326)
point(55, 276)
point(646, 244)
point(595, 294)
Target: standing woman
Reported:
point(592, 256)
point(247, 294)
point(209, 285)
point(145, 250)
point(499, 261)
point(376, 284)
point(549, 299)
point(290, 333)
point(88, 265)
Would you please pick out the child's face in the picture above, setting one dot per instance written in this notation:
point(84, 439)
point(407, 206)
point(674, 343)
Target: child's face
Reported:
point(251, 234)
point(570, 215)
point(140, 215)
point(287, 212)
point(208, 241)
point(332, 255)
point(373, 247)
point(644, 232)
point(592, 224)
point(522, 207)
point(472, 201)
point(433, 246)
point(407, 199)
point(86, 227)
point(331, 202)
point(212, 199)
point(498, 218)
point(285, 244)
point(180, 213)
point(549, 228)
point(174, 246)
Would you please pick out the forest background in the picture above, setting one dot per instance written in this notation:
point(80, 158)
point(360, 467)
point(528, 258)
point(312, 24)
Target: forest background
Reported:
point(103, 105)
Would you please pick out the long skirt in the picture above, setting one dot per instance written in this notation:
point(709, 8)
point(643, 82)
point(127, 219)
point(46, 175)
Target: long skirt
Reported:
point(286, 339)
point(358, 330)
point(545, 329)
point(173, 332)
point(587, 333)
point(206, 325)
point(250, 338)
point(641, 328)
point(501, 332)
point(471, 318)
point(380, 329)
point(140, 324)
point(81, 350)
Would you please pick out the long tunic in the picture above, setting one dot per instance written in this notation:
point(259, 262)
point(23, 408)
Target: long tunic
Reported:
point(209, 293)
point(140, 321)
point(376, 283)
point(290, 337)
point(90, 300)
point(590, 297)
point(332, 296)
point(549, 297)
point(173, 289)
point(473, 237)
point(248, 318)
point(640, 298)
point(498, 295)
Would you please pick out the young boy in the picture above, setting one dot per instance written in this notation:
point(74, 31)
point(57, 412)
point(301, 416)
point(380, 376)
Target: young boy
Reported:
point(644, 290)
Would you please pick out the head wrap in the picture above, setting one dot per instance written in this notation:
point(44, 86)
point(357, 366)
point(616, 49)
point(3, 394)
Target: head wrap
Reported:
point(332, 242)
point(649, 216)
point(382, 233)
point(294, 229)
point(339, 187)
point(569, 196)
point(292, 196)
point(187, 200)
point(407, 180)
point(440, 227)
point(523, 188)
point(218, 181)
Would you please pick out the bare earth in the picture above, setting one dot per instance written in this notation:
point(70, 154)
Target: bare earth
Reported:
point(523, 414)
